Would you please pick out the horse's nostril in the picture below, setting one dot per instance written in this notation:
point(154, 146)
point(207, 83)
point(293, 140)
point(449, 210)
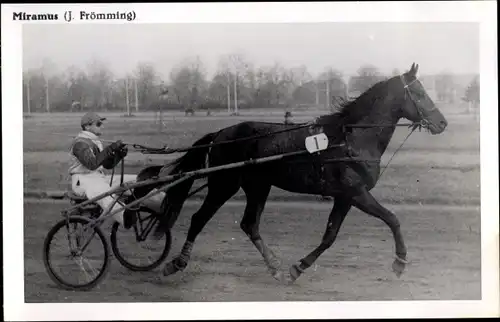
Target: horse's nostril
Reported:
point(443, 123)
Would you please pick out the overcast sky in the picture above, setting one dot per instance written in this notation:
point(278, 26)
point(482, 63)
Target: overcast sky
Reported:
point(344, 46)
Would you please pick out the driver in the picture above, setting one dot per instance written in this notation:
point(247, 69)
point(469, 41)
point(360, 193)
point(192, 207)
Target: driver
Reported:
point(89, 159)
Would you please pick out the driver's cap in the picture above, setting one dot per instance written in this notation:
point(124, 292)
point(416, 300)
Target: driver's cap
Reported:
point(90, 118)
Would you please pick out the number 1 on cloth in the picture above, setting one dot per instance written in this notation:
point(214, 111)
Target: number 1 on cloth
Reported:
point(315, 143)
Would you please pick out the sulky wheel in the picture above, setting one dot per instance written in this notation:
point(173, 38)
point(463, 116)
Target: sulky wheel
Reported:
point(76, 255)
point(137, 248)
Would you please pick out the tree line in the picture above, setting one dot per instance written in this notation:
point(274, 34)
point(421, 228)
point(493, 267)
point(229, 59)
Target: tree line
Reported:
point(236, 84)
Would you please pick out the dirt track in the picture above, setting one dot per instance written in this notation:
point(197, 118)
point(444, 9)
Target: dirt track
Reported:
point(443, 246)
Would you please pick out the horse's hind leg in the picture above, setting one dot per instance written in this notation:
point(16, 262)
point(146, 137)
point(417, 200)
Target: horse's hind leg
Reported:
point(217, 195)
point(337, 215)
point(256, 200)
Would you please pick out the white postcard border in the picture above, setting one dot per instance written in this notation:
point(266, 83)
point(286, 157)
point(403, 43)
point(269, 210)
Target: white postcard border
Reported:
point(12, 123)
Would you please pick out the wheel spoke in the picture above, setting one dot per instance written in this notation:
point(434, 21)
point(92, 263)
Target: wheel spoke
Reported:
point(62, 268)
point(90, 266)
point(79, 261)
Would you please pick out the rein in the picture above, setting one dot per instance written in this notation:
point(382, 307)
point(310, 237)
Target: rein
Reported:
point(397, 150)
point(366, 125)
point(148, 150)
point(165, 150)
point(122, 173)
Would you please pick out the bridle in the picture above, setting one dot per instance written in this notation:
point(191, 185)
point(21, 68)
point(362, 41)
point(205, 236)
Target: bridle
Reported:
point(407, 90)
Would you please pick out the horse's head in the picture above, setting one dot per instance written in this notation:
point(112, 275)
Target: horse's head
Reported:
point(416, 105)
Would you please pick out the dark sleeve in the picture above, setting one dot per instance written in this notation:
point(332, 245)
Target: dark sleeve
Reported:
point(83, 152)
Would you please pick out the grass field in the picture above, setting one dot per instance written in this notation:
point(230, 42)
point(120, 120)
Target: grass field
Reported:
point(433, 185)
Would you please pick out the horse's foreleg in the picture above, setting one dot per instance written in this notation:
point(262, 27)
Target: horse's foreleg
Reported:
point(256, 200)
point(367, 203)
point(337, 216)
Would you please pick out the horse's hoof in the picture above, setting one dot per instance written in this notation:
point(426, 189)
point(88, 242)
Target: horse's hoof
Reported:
point(398, 266)
point(274, 263)
point(289, 280)
point(278, 275)
point(294, 273)
point(170, 269)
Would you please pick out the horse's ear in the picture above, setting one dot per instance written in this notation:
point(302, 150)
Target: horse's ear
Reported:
point(413, 69)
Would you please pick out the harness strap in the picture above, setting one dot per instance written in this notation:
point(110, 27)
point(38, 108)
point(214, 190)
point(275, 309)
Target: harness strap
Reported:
point(397, 150)
point(145, 149)
point(122, 171)
point(112, 175)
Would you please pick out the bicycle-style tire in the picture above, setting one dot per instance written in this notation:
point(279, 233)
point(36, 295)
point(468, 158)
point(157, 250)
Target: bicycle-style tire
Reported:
point(50, 270)
point(140, 268)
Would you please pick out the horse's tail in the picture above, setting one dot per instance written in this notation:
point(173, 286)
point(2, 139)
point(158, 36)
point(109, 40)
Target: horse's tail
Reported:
point(177, 195)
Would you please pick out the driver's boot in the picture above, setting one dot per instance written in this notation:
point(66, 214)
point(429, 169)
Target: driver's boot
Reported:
point(129, 218)
point(130, 215)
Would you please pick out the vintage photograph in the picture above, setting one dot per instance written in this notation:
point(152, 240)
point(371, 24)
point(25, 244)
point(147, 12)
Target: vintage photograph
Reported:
point(251, 162)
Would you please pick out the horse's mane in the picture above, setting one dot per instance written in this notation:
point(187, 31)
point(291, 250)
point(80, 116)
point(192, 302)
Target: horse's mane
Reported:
point(352, 110)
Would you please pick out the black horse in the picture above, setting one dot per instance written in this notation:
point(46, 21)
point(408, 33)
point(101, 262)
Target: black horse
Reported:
point(349, 183)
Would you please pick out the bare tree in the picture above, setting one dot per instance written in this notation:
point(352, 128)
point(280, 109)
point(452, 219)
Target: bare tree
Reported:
point(367, 76)
point(291, 79)
point(472, 95)
point(27, 104)
point(47, 71)
point(189, 84)
point(146, 78)
point(261, 94)
point(332, 82)
point(445, 87)
point(306, 93)
point(224, 70)
point(300, 75)
point(217, 90)
point(37, 89)
point(239, 68)
point(236, 82)
point(100, 78)
point(58, 93)
point(78, 85)
point(278, 84)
